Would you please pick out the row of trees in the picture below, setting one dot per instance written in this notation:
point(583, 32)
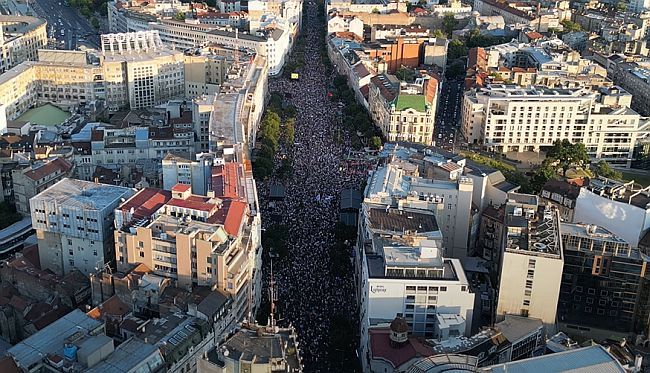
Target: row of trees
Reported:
point(277, 130)
point(356, 117)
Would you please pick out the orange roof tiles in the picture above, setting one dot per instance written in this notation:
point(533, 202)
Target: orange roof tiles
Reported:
point(226, 181)
point(146, 202)
point(180, 188)
point(58, 164)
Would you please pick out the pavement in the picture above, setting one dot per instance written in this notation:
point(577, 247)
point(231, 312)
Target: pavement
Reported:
point(65, 24)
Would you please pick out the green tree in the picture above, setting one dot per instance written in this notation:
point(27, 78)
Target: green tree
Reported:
point(405, 73)
point(375, 142)
point(565, 154)
point(438, 33)
point(449, 23)
point(603, 169)
point(456, 49)
point(95, 22)
point(544, 173)
point(456, 69)
point(180, 16)
point(570, 26)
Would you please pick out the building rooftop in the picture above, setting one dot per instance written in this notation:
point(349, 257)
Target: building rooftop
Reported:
point(41, 170)
point(128, 356)
point(415, 102)
point(515, 327)
point(83, 194)
point(582, 360)
point(146, 202)
point(391, 219)
point(50, 340)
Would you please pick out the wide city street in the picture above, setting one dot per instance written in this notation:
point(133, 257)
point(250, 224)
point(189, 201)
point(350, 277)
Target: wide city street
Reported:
point(311, 297)
point(65, 24)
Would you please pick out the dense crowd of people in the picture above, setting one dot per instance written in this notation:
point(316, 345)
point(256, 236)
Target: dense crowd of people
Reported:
point(308, 293)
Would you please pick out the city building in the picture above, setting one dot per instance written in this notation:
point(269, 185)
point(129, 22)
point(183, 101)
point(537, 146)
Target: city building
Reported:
point(73, 223)
point(257, 348)
point(37, 177)
point(366, 6)
point(509, 118)
point(78, 342)
point(139, 64)
point(404, 274)
point(621, 208)
point(449, 200)
point(604, 284)
point(20, 39)
point(636, 80)
point(339, 23)
point(563, 195)
point(532, 261)
point(197, 174)
point(238, 108)
point(404, 112)
point(163, 228)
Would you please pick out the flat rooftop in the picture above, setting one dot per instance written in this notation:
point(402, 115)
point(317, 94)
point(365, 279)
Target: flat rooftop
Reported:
point(400, 220)
point(582, 360)
point(83, 194)
point(50, 339)
point(127, 356)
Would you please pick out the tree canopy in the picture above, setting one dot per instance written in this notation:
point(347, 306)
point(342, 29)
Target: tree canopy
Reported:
point(603, 169)
point(565, 154)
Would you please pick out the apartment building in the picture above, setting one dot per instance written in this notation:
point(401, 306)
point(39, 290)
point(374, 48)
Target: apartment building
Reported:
point(404, 274)
point(239, 106)
point(343, 23)
point(20, 39)
point(196, 173)
point(636, 80)
point(532, 261)
point(604, 282)
point(205, 71)
point(507, 118)
point(37, 177)
point(208, 240)
point(133, 71)
point(113, 147)
point(73, 223)
point(449, 200)
point(367, 6)
point(404, 112)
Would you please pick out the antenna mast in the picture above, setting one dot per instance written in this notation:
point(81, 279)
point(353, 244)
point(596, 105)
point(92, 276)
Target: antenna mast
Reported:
point(272, 298)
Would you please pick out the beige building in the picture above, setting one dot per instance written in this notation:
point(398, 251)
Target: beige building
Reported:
point(20, 39)
point(532, 261)
point(196, 240)
point(508, 118)
point(404, 112)
point(204, 73)
point(32, 180)
point(73, 223)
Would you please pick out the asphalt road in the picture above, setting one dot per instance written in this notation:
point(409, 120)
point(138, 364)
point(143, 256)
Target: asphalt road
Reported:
point(448, 116)
point(65, 25)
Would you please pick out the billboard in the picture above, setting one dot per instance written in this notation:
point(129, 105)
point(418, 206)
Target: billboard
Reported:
point(294, 76)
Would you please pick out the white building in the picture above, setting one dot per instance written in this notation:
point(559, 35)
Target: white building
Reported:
point(73, 220)
point(403, 274)
point(532, 261)
point(621, 208)
point(20, 39)
point(449, 200)
point(340, 23)
point(508, 118)
point(197, 174)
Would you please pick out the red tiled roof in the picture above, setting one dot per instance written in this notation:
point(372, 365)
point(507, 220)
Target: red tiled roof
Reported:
point(194, 203)
point(146, 202)
point(113, 306)
point(230, 215)
point(181, 188)
point(450, 166)
point(365, 90)
point(58, 164)
point(381, 348)
point(361, 70)
point(534, 35)
point(226, 181)
point(97, 135)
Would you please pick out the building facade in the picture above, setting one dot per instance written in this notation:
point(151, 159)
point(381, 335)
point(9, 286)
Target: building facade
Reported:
point(73, 221)
point(30, 181)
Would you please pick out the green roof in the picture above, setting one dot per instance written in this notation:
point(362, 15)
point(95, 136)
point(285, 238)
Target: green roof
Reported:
point(415, 102)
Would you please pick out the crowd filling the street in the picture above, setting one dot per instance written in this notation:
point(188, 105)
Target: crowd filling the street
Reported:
point(315, 289)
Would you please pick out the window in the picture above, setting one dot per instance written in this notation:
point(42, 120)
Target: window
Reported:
point(71, 261)
point(524, 312)
point(443, 288)
point(591, 291)
point(141, 254)
point(95, 252)
point(69, 242)
point(588, 309)
point(526, 302)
